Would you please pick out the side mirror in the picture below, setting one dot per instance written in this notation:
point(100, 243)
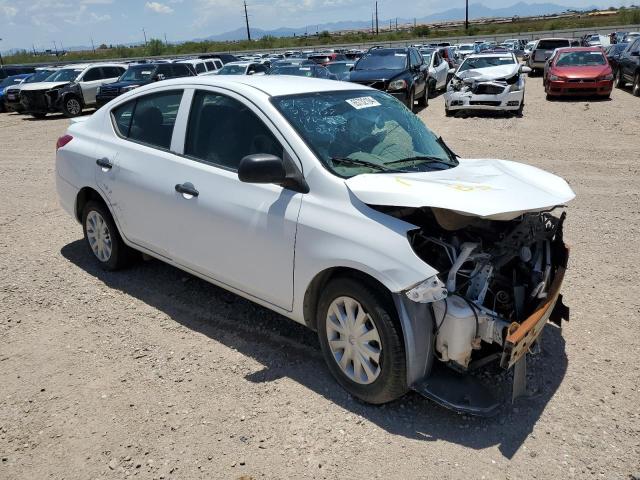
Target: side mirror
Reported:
point(525, 69)
point(452, 71)
point(262, 168)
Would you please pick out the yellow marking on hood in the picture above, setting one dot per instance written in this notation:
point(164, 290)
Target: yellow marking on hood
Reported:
point(403, 182)
point(471, 188)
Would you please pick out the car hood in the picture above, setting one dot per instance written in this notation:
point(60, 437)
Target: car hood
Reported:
point(492, 189)
point(43, 86)
point(490, 73)
point(582, 72)
point(373, 75)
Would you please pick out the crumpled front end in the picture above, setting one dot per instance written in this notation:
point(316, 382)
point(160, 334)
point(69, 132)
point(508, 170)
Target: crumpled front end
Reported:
point(485, 94)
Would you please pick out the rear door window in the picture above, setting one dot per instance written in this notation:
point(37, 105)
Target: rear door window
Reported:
point(181, 70)
point(149, 119)
point(200, 68)
point(92, 75)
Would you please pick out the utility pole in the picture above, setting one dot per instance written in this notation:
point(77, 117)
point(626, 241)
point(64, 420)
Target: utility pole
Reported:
point(55, 46)
point(246, 18)
point(34, 49)
point(145, 37)
point(377, 25)
point(373, 28)
point(93, 46)
point(166, 44)
point(396, 24)
point(1, 64)
point(466, 18)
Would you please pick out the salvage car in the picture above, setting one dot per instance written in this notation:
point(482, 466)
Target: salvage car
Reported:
point(578, 71)
point(70, 90)
point(629, 68)
point(400, 72)
point(438, 70)
point(406, 255)
point(9, 82)
point(543, 50)
point(487, 82)
point(139, 75)
point(12, 93)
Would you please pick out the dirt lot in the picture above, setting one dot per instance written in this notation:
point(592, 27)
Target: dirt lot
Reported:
point(155, 374)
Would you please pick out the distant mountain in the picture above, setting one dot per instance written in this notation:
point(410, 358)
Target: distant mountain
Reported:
point(476, 11)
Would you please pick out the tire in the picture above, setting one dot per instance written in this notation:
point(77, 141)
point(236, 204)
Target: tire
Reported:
point(423, 101)
point(388, 379)
point(447, 112)
point(619, 80)
point(71, 106)
point(636, 85)
point(432, 89)
point(98, 222)
point(521, 109)
point(38, 115)
point(411, 100)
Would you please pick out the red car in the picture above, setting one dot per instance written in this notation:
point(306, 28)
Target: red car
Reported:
point(578, 71)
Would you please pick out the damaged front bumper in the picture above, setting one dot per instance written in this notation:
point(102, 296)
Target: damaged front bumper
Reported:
point(467, 100)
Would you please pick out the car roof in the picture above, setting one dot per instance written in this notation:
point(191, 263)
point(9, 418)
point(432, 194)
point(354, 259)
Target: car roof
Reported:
point(272, 86)
point(242, 63)
point(579, 49)
point(492, 55)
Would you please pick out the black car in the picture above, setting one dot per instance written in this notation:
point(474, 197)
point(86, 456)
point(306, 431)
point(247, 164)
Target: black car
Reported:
point(614, 52)
point(629, 68)
point(401, 72)
point(139, 75)
point(309, 71)
point(11, 70)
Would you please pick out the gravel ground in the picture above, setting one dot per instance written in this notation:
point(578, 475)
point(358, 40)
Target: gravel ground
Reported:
point(153, 373)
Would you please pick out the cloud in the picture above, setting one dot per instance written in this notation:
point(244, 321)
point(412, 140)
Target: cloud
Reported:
point(158, 7)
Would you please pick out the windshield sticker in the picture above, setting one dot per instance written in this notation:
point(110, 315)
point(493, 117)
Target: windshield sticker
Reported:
point(146, 72)
point(363, 102)
point(306, 69)
point(400, 54)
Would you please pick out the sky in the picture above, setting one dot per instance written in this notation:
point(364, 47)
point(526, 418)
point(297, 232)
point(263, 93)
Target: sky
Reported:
point(70, 23)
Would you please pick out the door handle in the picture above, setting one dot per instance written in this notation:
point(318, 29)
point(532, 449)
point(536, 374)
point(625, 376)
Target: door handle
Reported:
point(105, 164)
point(187, 190)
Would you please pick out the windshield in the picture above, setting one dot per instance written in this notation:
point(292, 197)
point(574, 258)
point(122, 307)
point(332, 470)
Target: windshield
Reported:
point(383, 60)
point(293, 70)
point(9, 81)
point(64, 75)
point(339, 68)
point(485, 62)
point(580, 59)
point(355, 132)
point(427, 58)
point(140, 73)
point(232, 70)
point(552, 44)
point(40, 76)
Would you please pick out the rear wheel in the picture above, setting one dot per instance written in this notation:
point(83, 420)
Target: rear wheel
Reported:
point(636, 85)
point(71, 106)
point(103, 239)
point(361, 340)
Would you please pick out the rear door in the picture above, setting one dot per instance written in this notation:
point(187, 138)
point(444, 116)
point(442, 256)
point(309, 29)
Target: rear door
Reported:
point(89, 83)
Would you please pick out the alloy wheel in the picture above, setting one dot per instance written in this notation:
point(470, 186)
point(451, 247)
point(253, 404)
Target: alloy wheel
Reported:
point(354, 340)
point(73, 106)
point(99, 236)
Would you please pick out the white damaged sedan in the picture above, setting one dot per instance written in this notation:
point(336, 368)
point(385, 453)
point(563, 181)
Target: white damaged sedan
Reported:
point(487, 81)
point(331, 204)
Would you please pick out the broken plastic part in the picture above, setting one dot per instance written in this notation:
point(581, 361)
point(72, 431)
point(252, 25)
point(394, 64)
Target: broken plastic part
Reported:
point(429, 291)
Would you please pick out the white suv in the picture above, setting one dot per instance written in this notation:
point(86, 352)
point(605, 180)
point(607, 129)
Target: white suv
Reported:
point(331, 204)
point(70, 90)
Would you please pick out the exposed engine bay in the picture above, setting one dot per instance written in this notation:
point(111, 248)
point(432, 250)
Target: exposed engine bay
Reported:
point(493, 276)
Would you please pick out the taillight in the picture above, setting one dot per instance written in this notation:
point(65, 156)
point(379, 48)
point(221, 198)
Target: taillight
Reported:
point(62, 141)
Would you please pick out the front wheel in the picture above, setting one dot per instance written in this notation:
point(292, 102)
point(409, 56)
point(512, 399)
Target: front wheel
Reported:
point(618, 82)
point(423, 101)
point(410, 100)
point(361, 340)
point(103, 239)
point(71, 106)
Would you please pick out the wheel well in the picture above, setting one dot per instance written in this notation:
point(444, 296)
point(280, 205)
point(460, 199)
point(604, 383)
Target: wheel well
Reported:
point(85, 195)
point(315, 288)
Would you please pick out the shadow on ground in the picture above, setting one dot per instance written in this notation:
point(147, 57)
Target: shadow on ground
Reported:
point(287, 349)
